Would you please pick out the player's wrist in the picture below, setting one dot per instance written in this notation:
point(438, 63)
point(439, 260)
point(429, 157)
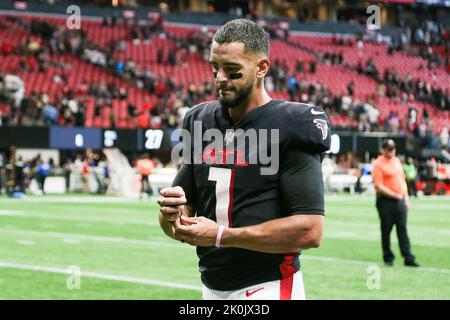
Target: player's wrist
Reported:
point(219, 236)
point(230, 237)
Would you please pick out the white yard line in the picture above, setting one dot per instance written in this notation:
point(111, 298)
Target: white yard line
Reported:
point(11, 213)
point(375, 236)
point(158, 243)
point(367, 263)
point(80, 237)
point(85, 218)
point(47, 199)
point(97, 275)
point(25, 242)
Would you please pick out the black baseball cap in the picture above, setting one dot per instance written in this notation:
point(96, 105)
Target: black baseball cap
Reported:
point(388, 144)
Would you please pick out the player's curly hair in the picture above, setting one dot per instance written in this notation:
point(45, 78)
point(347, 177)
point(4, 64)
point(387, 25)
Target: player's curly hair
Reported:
point(254, 38)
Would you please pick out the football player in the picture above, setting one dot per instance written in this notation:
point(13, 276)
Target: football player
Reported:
point(249, 228)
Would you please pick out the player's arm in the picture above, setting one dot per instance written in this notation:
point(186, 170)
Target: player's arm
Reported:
point(290, 234)
point(179, 199)
point(302, 192)
point(301, 187)
point(172, 205)
point(176, 201)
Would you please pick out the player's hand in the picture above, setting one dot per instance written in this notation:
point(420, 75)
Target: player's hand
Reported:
point(171, 203)
point(197, 231)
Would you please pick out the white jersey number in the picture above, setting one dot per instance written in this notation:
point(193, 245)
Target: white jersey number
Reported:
point(224, 193)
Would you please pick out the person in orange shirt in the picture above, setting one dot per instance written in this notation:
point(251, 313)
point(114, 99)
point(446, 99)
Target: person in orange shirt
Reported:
point(392, 202)
point(145, 167)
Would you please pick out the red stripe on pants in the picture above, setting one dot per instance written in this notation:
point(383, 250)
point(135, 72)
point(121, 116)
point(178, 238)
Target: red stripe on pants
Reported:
point(286, 288)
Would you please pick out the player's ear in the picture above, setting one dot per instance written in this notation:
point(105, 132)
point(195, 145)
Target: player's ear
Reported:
point(263, 66)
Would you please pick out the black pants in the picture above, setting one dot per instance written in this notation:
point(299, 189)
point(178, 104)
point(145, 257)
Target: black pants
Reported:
point(41, 181)
point(145, 185)
point(412, 190)
point(393, 212)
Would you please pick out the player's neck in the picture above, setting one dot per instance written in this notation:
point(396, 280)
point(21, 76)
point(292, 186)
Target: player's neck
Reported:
point(255, 101)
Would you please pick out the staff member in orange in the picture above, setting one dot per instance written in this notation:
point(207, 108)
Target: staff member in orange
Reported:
point(145, 167)
point(392, 202)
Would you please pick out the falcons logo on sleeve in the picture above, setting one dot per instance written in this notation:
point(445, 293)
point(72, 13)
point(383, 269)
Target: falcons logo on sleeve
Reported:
point(323, 126)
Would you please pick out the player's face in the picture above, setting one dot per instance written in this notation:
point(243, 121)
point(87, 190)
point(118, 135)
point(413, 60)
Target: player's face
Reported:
point(234, 71)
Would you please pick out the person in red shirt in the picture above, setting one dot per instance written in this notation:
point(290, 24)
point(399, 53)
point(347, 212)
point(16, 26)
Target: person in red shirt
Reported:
point(143, 120)
point(392, 202)
point(6, 48)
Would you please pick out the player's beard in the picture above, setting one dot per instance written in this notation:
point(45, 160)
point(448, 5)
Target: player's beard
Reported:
point(234, 97)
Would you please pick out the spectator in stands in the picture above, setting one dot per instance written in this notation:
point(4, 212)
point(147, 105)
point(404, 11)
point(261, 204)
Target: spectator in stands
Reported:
point(143, 119)
point(135, 35)
point(393, 122)
point(49, 114)
point(444, 139)
point(73, 42)
point(6, 48)
point(105, 21)
point(160, 56)
point(373, 114)
point(371, 69)
point(351, 88)
point(172, 59)
point(119, 67)
point(80, 115)
point(13, 88)
point(313, 66)
point(432, 168)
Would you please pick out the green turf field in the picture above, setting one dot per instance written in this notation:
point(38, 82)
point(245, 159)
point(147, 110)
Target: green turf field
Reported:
point(122, 253)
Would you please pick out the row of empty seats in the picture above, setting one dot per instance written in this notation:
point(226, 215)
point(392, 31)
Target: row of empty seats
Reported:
point(195, 70)
point(399, 61)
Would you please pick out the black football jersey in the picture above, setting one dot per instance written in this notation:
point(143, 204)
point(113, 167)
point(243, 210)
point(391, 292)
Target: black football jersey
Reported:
point(236, 193)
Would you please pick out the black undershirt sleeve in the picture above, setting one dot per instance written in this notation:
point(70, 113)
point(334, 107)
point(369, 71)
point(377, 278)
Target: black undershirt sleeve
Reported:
point(185, 175)
point(185, 179)
point(301, 183)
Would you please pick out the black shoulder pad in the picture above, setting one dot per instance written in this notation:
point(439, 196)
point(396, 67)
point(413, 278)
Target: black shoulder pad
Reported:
point(308, 126)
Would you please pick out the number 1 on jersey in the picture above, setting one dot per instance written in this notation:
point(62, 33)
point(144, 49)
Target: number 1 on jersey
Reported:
point(224, 179)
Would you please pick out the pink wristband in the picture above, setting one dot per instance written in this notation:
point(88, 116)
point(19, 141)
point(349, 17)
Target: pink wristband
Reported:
point(219, 236)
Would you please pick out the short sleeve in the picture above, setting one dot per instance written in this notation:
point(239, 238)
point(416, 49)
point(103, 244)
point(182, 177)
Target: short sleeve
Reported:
point(301, 183)
point(377, 175)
